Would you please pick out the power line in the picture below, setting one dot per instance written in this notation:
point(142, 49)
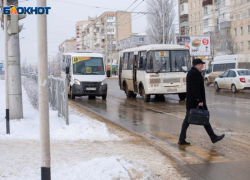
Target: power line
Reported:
point(98, 7)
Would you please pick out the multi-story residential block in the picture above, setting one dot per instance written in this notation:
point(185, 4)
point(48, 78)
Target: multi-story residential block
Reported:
point(133, 41)
point(183, 17)
point(226, 21)
point(102, 34)
point(79, 32)
point(68, 46)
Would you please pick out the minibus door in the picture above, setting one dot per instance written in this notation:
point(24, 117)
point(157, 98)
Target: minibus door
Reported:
point(135, 73)
point(120, 72)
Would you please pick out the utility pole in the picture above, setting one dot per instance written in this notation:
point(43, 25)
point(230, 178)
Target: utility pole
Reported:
point(6, 72)
point(14, 70)
point(163, 19)
point(43, 92)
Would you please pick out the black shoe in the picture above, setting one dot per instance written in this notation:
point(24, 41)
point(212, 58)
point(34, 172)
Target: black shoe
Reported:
point(183, 143)
point(218, 138)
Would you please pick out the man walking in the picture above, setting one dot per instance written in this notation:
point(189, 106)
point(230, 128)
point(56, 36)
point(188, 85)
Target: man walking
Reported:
point(196, 96)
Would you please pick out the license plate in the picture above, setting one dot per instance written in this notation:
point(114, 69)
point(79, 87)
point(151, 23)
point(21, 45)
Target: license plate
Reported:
point(91, 88)
point(172, 90)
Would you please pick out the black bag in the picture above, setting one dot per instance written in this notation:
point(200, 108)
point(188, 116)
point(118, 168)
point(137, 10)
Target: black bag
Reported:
point(198, 116)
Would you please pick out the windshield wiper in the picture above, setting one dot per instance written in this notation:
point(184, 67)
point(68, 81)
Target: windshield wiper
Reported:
point(161, 67)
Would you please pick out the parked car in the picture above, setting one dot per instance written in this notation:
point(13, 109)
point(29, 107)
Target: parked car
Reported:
point(222, 63)
point(234, 79)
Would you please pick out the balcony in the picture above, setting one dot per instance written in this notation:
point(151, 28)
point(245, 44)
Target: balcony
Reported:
point(183, 1)
point(225, 24)
point(184, 18)
point(207, 2)
point(216, 28)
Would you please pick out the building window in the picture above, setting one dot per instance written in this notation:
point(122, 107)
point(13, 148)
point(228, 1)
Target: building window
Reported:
point(235, 17)
point(235, 31)
point(223, 3)
point(223, 16)
point(205, 23)
point(200, 27)
point(248, 28)
point(241, 1)
point(195, 17)
point(199, 2)
point(190, 5)
point(234, 2)
point(110, 17)
point(241, 46)
point(194, 28)
point(141, 39)
point(199, 16)
point(241, 30)
point(205, 10)
point(182, 7)
point(241, 15)
point(248, 13)
point(194, 4)
point(235, 47)
point(191, 30)
point(190, 18)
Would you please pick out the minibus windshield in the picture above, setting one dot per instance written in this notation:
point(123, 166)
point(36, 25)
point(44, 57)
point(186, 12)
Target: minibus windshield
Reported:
point(88, 66)
point(168, 61)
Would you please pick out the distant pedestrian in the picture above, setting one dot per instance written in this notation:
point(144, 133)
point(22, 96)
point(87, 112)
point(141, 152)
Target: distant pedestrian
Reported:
point(196, 96)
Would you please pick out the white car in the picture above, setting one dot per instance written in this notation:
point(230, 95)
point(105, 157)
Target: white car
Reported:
point(234, 79)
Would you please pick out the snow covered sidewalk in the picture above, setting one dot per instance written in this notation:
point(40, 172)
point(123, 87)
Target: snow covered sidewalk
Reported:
point(86, 149)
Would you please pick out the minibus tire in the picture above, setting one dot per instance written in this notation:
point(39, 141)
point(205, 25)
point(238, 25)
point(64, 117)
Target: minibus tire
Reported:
point(134, 95)
point(146, 97)
point(127, 92)
point(182, 96)
point(206, 82)
point(104, 97)
point(71, 94)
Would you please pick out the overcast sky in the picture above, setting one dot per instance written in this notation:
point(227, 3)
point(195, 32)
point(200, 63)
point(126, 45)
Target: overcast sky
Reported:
point(61, 23)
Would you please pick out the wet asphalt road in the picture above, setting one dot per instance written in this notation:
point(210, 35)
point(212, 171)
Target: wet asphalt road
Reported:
point(160, 122)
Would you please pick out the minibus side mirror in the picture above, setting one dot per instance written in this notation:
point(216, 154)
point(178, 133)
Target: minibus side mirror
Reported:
point(67, 70)
point(220, 76)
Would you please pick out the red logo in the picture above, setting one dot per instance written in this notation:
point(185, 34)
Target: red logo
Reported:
point(205, 41)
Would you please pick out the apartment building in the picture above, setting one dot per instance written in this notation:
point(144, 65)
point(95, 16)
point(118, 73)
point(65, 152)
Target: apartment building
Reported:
point(183, 17)
point(80, 26)
point(240, 25)
point(68, 46)
point(227, 21)
point(102, 34)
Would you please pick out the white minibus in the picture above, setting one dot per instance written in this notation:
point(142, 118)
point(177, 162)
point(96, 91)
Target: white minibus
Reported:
point(222, 63)
point(86, 74)
point(154, 70)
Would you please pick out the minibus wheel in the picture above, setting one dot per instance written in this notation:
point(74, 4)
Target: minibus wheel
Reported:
point(127, 92)
point(146, 97)
point(182, 96)
point(72, 96)
point(206, 82)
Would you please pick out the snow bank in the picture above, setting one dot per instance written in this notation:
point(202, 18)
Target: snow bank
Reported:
point(80, 128)
point(108, 168)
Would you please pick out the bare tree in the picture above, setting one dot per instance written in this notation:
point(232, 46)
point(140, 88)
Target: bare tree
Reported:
point(156, 9)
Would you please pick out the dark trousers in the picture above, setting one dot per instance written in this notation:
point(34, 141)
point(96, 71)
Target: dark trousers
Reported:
point(185, 125)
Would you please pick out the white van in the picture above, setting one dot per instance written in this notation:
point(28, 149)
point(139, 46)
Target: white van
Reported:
point(86, 74)
point(222, 63)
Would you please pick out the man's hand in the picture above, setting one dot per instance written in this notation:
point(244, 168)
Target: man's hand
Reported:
point(201, 104)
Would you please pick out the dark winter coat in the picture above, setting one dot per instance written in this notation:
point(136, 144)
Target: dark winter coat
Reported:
point(195, 89)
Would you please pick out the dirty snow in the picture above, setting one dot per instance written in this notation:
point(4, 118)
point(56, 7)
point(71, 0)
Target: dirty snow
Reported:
point(28, 128)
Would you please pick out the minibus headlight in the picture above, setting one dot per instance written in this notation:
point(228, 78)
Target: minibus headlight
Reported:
point(104, 82)
point(77, 82)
